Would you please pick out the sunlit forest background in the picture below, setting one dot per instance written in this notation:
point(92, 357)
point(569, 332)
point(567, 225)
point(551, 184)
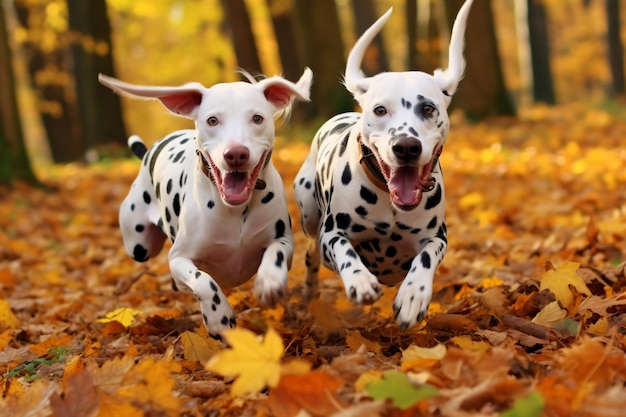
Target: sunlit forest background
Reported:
point(520, 53)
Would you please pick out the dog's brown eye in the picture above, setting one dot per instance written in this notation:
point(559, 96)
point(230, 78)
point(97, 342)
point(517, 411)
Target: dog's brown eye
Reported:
point(212, 121)
point(428, 109)
point(380, 111)
point(257, 119)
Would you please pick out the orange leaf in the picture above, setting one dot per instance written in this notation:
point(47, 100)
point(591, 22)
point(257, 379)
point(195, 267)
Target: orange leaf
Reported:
point(43, 347)
point(315, 393)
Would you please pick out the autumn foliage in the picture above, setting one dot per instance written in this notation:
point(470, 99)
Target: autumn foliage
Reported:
point(527, 317)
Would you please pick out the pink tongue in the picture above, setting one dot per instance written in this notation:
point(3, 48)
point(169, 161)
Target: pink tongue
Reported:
point(404, 186)
point(235, 187)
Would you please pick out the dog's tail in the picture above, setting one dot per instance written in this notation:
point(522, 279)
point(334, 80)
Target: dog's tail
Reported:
point(137, 146)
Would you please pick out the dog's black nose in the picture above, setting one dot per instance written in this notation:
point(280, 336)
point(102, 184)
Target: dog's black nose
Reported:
point(236, 156)
point(407, 149)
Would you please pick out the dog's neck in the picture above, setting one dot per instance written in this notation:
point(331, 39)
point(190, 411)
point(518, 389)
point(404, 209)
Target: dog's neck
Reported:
point(205, 167)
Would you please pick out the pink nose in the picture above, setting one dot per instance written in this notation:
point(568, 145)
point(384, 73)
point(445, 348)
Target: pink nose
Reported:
point(236, 156)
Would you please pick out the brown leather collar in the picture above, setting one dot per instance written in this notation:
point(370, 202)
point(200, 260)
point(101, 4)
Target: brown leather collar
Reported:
point(370, 165)
point(206, 170)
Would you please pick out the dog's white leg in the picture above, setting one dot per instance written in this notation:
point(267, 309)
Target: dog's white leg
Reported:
point(411, 303)
point(361, 285)
point(270, 284)
point(217, 313)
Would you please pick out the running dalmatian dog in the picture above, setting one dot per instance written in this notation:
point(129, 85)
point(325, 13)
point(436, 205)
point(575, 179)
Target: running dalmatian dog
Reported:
point(371, 191)
point(214, 192)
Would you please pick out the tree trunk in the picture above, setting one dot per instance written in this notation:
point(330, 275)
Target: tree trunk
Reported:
point(49, 72)
point(616, 49)
point(14, 162)
point(375, 59)
point(281, 12)
point(319, 37)
point(100, 111)
point(543, 88)
point(423, 21)
point(239, 30)
point(482, 91)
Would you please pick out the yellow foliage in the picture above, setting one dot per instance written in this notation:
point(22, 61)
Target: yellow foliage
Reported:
point(550, 315)
point(466, 342)
point(255, 364)
point(558, 281)
point(7, 318)
point(125, 315)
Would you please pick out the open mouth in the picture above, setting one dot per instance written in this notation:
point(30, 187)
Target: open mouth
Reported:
point(407, 183)
point(235, 187)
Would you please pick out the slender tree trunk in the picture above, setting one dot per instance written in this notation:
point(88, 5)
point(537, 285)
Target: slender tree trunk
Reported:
point(319, 37)
point(543, 87)
point(14, 161)
point(616, 49)
point(100, 112)
point(423, 21)
point(375, 59)
point(482, 91)
point(55, 93)
point(281, 12)
point(239, 30)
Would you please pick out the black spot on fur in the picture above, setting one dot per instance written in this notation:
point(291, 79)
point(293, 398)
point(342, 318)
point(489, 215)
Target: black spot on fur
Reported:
point(213, 286)
point(425, 260)
point(343, 220)
point(139, 228)
point(211, 204)
point(224, 320)
point(344, 145)
point(346, 176)
point(391, 252)
point(169, 186)
point(176, 204)
point(157, 190)
point(407, 265)
point(433, 223)
point(395, 237)
point(168, 215)
point(146, 197)
point(356, 228)
point(280, 258)
point(280, 229)
point(368, 195)
point(329, 224)
point(268, 197)
point(351, 253)
point(132, 207)
point(434, 199)
point(216, 299)
point(178, 156)
point(360, 210)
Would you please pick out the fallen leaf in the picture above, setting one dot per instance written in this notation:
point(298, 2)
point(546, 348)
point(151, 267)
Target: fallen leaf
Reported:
point(7, 318)
point(415, 357)
point(558, 281)
point(198, 348)
point(315, 393)
point(397, 387)
point(367, 377)
point(550, 315)
point(530, 406)
point(466, 342)
point(150, 382)
point(124, 315)
point(255, 364)
point(356, 339)
point(79, 397)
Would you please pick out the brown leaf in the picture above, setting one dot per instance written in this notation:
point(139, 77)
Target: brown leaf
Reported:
point(451, 323)
point(315, 392)
point(79, 398)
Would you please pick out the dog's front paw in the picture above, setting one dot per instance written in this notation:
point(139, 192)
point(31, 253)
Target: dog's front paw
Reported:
point(411, 303)
point(218, 315)
point(270, 285)
point(362, 287)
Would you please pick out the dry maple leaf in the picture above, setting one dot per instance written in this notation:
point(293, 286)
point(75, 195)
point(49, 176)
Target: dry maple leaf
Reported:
point(255, 364)
point(558, 281)
point(124, 315)
point(79, 398)
point(315, 393)
point(7, 318)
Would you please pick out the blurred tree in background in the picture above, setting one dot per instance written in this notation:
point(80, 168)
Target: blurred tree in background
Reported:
point(548, 51)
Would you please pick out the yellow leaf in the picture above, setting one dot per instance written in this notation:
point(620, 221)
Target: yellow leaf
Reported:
point(124, 315)
point(367, 377)
point(198, 348)
point(255, 364)
point(296, 367)
point(491, 282)
point(150, 381)
point(558, 281)
point(471, 200)
point(550, 315)
point(599, 327)
point(466, 342)
point(416, 357)
point(356, 339)
point(5, 338)
point(112, 407)
point(7, 318)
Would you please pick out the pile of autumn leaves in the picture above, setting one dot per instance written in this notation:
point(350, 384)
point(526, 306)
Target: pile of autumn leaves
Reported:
point(527, 317)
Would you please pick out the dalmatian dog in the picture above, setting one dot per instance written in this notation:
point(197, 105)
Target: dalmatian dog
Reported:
point(214, 192)
point(371, 191)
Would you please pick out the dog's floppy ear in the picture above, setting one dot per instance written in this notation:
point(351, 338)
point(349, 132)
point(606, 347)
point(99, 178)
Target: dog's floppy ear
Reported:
point(448, 79)
point(281, 92)
point(354, 79)
point(183, 100)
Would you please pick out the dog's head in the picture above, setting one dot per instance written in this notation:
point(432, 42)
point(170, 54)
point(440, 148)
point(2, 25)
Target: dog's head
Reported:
point(234, 123)
point(405, 117)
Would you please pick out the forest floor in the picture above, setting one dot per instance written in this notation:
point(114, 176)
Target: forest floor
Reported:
point(527, 317)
